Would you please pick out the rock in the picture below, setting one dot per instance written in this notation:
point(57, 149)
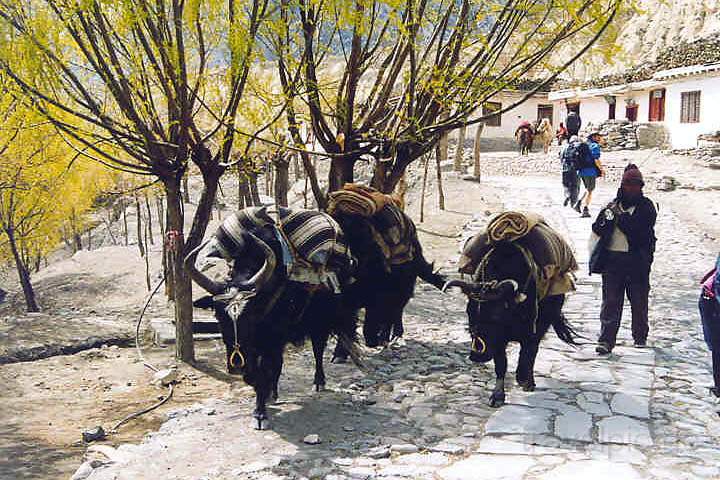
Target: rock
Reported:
point(379, 452)
point(488, 467)
point(404, 448)
point(667, 184)
point(632, 405)
point(86, 469)
point(574, 426)
point(312, 439)
point(593, 470)
point(518, 419)
point(93, 434)
point(623, 430)
point(164, 377)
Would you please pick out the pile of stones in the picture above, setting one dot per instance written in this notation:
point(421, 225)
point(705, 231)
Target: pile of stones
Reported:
point(618, 134)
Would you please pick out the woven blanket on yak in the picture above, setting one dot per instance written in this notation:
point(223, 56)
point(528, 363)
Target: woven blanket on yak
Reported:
point(356, 199)
point(314, 236)
point(395, 234)
point(552, 254)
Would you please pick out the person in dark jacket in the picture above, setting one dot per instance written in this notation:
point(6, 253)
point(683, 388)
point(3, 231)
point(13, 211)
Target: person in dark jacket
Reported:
point(709, 305)
point(573, 122)
point(627, 239)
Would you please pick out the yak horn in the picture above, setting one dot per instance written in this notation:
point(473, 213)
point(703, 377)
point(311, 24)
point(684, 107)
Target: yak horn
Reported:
point(266, 271)
point(454, 283)
point(200, 278)
point(512, 282)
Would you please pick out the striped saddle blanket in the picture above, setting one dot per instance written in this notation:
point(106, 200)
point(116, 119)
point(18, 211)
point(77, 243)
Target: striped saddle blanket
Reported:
point(395, 234)
point(305, 235)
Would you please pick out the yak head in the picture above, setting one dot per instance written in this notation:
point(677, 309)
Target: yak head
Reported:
point(238, 301)
point(502, 299)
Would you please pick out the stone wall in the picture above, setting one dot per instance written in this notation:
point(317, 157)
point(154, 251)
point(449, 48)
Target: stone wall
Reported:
point(617, 134)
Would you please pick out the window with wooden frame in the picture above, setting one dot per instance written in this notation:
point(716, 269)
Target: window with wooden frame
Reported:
point(489, 108)
point(690, 107)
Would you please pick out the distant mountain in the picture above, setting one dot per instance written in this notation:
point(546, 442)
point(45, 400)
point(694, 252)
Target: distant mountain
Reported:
point(644, 35)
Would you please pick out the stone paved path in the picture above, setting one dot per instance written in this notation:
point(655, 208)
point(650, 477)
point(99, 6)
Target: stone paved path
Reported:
point(422, 412)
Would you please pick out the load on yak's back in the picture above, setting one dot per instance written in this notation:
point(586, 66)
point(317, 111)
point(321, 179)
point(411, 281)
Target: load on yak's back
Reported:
point(520, 271)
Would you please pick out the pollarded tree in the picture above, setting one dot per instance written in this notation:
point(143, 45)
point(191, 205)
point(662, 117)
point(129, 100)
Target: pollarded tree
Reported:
point(132, 84)
point(387, 79)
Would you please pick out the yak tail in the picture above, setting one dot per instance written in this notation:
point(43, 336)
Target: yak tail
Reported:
point(351, 346)
point(425, 269)
point(564, 330)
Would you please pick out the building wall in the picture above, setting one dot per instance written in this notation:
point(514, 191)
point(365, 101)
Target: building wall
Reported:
point(684, 135)
point(511, 120)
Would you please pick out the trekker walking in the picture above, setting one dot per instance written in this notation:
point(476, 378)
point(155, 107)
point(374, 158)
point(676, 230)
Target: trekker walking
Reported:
point(570, 158)
point(562, 134)
point(573, 123)
point(590, 169)
point(624, 255)
point(709, 305)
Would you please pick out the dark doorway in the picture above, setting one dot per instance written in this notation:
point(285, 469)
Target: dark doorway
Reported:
point(631, 112)
point(545, 111)
point(573, 107)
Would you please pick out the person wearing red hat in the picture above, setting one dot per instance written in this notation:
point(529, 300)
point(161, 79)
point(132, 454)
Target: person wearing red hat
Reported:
point(624, 256)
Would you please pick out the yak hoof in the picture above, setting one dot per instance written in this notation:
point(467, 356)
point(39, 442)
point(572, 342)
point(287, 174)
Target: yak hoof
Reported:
point(339, 359)
point(319, 387)
point(497, 399)
point(261, 421)
point(528, 386)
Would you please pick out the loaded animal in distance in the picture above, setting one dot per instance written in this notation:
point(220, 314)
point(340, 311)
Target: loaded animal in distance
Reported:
point(521, 270)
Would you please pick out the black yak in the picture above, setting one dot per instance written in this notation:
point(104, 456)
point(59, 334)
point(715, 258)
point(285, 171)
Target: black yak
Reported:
point(516, 293)
point(283, 288)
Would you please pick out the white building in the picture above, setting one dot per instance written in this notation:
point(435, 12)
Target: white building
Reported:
point(684, 100)
point(499, 132)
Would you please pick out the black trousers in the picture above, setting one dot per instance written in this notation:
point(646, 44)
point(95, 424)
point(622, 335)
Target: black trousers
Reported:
point(571, 185)
point(621, 279)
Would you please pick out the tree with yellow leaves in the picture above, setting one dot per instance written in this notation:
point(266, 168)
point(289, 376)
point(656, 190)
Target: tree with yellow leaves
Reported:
point(131, 83)
point(40, 189)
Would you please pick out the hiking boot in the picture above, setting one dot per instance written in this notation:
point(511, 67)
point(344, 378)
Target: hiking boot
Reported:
point(567, 200)
point(603, 349)
point(577, 206)
point(585, 213)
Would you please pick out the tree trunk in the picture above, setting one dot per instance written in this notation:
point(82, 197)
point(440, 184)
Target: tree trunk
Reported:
point(282, 179)
point(460, 149)
point(296, 166)
point(186, 188)
point(342, 171)
point(23, 274)
point(442, 147)
point(89, 240)
point(182, 290)
point(126, 234)
point(422, 192)
point(138, 212)
point(476, 151)
point(441, 194)
point(149, 221)
point(254, 192)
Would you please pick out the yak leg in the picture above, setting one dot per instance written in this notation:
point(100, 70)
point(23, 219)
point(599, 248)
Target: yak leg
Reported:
point(526, 364)
point(274, 394)
point(497, 399)
point(373, 329)
point(270, 366)
point(319, 341)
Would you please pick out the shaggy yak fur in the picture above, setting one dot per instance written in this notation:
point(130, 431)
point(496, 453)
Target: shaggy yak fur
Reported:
point(382, 288)
point(509, 311)
point(280, 313)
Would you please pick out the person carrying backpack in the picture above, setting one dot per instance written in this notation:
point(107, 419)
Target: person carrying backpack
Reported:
point(573, 122)
point(709, 305)
point(590, 169)
point(570, 158)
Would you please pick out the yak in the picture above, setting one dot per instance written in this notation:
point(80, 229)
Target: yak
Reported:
point(389, 260)
point(274, 297)
point(511, 297)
